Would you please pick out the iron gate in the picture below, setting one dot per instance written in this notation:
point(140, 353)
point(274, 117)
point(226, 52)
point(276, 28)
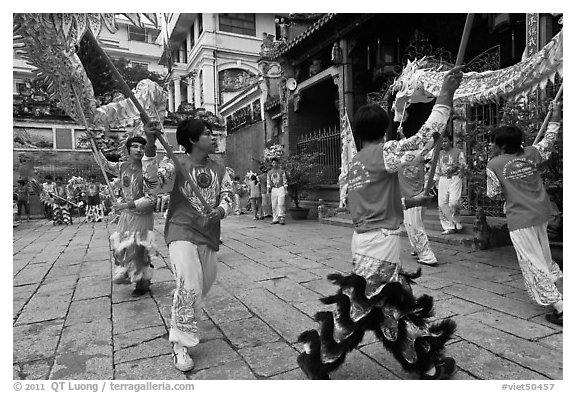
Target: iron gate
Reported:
point(327, 142)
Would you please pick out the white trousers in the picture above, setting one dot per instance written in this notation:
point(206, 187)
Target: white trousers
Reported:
point(539, 270)
point(380, 244)
point(266, 205)
point(195, 269)
point(278, 197)
point(449, 192)
point(417, 234)
point(237, 208)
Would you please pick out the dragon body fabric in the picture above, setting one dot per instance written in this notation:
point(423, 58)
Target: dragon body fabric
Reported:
point(418, 83)
point(48, 42)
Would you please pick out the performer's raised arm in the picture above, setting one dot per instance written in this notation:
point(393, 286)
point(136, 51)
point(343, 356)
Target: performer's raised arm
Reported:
point(545, 146)
point(159, 175)
point(109, 166)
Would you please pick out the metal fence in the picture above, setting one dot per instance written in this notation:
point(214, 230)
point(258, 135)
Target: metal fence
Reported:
point(327, 142)
point(481, 119)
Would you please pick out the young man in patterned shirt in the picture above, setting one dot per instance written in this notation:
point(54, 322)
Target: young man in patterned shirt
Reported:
point(191, 233)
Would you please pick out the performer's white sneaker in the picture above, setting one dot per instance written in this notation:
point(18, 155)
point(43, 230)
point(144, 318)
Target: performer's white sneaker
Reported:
point(182, 360)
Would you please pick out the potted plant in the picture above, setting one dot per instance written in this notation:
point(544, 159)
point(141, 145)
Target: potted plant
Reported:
point(303, 173)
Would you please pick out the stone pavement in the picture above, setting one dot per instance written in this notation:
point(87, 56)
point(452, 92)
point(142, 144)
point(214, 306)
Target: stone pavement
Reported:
point(70, 322)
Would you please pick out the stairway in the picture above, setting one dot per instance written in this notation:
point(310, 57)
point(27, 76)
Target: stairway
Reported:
point(465, 237)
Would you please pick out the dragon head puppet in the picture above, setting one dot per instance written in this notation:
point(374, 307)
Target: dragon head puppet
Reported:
point(421, 80)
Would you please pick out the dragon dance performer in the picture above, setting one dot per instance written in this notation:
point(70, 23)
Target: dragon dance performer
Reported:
point(514, 172)
point(94, 206)
point(47, 188)
point(61, 207)
point(193, 238)
point(411, 174)
point(377, 296)
point(133, 242)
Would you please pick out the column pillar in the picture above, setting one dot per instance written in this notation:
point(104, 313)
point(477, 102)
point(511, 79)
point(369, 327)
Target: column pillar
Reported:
point(190, 91)
point(171, 97)
point(177, 93)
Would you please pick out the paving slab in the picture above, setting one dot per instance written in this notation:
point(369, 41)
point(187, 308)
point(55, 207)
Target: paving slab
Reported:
point(270, 359)
point(71, 322)
point(36, 341)
point(89, 310)
point(143, 350)
point(510, 324)
point(482, 364)
point(85, 352)
point(236, 370)
point(249, 332)
point(39, 369)
point(226, 309)
point(138, 336)
point(531, 355)
point(157, 368)
point(494, 301)
point(285, 319)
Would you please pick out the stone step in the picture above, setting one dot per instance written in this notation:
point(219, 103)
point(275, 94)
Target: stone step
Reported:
point(464, 238)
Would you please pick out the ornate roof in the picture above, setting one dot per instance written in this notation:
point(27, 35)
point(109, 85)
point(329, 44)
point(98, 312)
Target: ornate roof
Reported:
point(287, 46)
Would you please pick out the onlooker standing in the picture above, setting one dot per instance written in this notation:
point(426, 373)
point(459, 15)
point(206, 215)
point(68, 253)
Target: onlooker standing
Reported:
point(451, 165)
point(266, 200)
point(22, 193)
point(256, 197)
point(237, 187)
point(277, 185)
point(514, 172)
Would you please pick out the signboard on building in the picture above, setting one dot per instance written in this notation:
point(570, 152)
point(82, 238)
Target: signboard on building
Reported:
point(532, 34)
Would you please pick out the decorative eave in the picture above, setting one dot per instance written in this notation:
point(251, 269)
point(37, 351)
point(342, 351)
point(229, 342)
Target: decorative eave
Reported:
point(274, 102)
point(247, 91)
point(285, 47)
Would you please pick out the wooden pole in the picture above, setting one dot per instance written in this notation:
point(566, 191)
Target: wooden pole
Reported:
point(547, 119)
point(438, 144)
point(93, 144)
point(146, 119)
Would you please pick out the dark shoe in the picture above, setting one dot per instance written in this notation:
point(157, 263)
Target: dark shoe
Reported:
point(414, 253)
point(281, 220)
point(142, 287)
point(445, 369)
point(302, 360)
point(274, 222)
point(555, 318)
